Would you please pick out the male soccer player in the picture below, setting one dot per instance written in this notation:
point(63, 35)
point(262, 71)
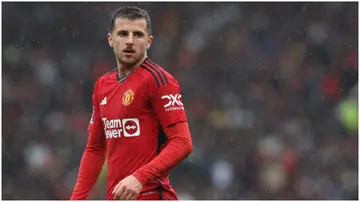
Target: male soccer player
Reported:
point(138, 119)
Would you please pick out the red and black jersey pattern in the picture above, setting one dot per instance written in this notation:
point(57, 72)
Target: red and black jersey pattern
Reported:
point(157, 73)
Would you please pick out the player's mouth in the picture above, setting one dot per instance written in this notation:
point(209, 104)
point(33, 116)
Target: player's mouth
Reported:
point(129, 51)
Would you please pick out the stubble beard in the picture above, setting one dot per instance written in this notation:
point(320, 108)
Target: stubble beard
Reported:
point(129, 63)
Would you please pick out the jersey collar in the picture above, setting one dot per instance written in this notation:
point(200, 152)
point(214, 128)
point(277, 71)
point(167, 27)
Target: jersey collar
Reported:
point(119, 79)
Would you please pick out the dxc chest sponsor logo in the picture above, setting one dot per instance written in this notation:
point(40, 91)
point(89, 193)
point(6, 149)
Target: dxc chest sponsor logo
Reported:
point(174, 102)
point(116, 128)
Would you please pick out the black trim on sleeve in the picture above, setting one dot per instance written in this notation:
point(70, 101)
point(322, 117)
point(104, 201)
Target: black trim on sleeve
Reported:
point(155, 66)
point(152, 73)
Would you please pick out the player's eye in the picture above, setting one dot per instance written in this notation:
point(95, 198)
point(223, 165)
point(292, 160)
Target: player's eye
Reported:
point(122, 33)
point(139, 34)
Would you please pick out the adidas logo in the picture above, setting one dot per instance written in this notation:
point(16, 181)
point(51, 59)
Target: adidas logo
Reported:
point(103, 102)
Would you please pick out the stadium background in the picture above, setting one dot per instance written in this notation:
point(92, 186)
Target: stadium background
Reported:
point(270, 91)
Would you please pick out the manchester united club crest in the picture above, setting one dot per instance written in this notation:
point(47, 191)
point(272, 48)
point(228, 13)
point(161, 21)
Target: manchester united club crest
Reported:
point(128, 97)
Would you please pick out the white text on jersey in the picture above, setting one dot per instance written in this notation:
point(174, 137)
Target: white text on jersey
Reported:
point(174, 102)
point(116, 128)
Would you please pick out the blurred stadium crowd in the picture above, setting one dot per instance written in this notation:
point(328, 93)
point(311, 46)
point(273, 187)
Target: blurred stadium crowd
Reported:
point(270, 90)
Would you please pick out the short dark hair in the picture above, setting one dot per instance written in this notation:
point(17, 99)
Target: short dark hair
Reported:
point(131, 13)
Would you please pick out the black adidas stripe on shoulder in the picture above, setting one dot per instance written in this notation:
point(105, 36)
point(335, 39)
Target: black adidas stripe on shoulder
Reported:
point(152, 73)
point(158, 75)
point(160, 70)
point(153, 69)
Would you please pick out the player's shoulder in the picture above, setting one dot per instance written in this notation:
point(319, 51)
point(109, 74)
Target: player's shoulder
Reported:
point(157, 75)
point(106, 77)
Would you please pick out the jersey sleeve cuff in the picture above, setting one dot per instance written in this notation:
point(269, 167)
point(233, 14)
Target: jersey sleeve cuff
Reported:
point(141, 177)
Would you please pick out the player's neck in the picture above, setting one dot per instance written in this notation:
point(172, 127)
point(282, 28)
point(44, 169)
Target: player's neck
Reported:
point(124, 71)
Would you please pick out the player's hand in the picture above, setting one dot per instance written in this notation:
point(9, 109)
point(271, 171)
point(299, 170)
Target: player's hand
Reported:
point(128, 189)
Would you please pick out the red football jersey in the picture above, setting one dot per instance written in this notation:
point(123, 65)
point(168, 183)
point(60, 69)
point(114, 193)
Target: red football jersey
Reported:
point(128, 118)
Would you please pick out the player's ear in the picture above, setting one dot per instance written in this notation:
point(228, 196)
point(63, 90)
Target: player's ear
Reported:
point(110, 40)
point(149, 41)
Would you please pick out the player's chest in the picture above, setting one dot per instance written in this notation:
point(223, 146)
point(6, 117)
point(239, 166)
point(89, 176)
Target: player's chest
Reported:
point(122, 101)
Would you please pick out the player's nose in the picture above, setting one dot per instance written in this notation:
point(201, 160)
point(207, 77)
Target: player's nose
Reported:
point(130, 40)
